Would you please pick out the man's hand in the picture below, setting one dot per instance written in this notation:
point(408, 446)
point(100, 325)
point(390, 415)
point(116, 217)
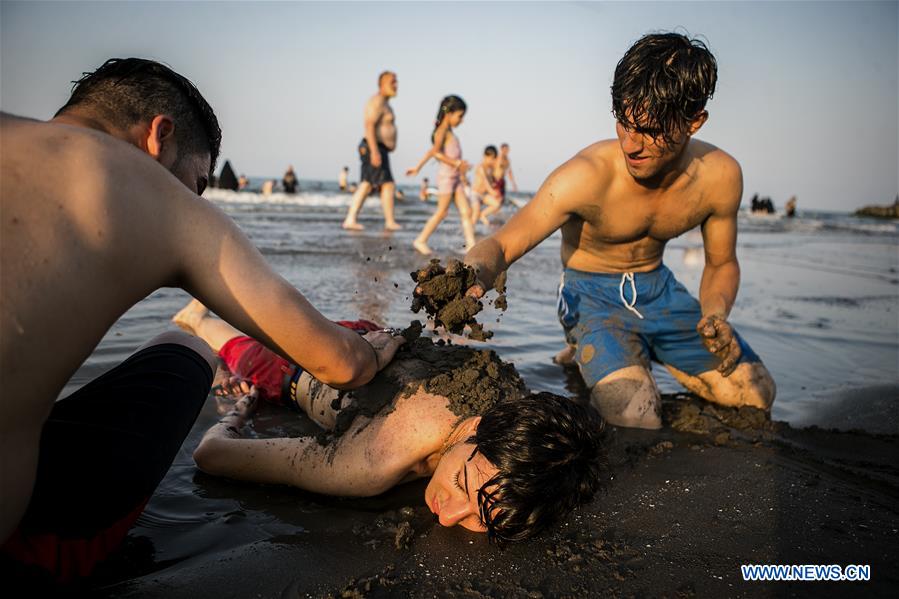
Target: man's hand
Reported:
point(411, 172)
point(385, 345)
point(375, 158)
point(718, 337)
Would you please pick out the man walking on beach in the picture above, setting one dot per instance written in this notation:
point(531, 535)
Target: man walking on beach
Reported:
point(374, 152)
point(99, 208)
point(618, 202)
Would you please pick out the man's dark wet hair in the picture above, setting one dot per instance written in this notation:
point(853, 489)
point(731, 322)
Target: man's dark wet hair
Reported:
point(549, 451)
point(490, 151)
point(126, 91)
point(662, 84)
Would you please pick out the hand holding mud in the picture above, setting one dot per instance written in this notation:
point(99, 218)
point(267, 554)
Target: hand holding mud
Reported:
point(384, 345)
point(450, 296)
point(718, 337)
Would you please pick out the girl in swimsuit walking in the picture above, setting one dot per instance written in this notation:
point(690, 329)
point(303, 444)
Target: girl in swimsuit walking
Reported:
point(450, 173)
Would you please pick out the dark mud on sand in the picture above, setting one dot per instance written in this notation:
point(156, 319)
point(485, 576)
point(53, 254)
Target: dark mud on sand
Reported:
point(472, 380)
point(441, 293)
point(682, 509)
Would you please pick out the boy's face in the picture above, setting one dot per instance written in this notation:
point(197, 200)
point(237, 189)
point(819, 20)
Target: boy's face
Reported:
point(489, 160)
point(452, 493)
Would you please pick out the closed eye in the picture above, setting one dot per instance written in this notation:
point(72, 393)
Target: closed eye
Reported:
point(456, 481)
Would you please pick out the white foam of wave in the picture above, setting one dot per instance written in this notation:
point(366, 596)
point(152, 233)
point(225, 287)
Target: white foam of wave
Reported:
point(322, 199)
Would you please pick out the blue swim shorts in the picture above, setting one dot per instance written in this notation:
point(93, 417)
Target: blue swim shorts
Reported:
point(601, 314)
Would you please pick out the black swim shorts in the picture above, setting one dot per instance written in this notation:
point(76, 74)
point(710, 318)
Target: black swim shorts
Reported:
point(376, 176)
point(103, 451)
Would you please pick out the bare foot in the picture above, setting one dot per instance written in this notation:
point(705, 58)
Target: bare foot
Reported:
point(394, 226)
point(190, 315)
point(485, 221)
point(566, 356)
point(422, 247)
point(352, 226)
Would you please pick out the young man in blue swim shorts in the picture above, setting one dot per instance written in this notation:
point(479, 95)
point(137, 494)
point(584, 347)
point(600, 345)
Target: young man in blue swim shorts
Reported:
point(618, 202)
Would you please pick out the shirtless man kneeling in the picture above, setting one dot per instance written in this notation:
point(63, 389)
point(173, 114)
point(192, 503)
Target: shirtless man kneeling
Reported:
point(510, 471)
point(618, 203)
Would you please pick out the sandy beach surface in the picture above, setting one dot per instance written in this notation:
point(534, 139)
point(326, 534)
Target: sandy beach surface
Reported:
point(682, 509)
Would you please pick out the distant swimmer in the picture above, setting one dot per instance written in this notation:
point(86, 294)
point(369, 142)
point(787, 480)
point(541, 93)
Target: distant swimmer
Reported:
point(423, 190)
point(268, 186)
point(128, 156)
point(342, 179)
point(374, 153)
point(486, 472)
point(451, 172)
point(484, 189)
point(242, 183)
point(790, 207)
point(289, 181)
point(618, 203)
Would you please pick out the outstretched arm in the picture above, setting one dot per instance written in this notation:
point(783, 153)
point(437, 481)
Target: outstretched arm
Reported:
point(567, 188)
point(355, 467)
point(217, 264)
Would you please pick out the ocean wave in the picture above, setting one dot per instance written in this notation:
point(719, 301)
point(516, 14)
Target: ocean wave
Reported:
point(322, 199)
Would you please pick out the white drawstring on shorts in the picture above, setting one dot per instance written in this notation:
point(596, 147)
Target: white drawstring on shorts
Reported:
point(629, 276)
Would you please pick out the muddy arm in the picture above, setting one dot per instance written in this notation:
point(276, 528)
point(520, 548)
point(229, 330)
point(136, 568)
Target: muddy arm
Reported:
point(352, 468)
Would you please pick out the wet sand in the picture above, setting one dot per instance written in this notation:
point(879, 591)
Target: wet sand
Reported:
point(681, 510)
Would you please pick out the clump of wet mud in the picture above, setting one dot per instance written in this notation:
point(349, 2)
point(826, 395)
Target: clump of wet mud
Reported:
point(685, 413)
point(441, 293)
point(472, 380)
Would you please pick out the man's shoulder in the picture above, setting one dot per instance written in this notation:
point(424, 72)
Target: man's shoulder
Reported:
point(593, 166)
point(713, 160)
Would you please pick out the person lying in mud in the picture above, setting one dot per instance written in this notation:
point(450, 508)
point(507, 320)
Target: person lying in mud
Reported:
point(501, 461)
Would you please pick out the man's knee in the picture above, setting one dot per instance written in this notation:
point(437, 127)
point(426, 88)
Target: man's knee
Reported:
point(187, 340)
point(628, 398)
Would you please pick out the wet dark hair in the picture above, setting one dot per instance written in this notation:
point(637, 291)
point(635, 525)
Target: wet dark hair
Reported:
point(447, 105)
point(662, 83)
point(126, 91)
point(550, 454)
point(490, 151)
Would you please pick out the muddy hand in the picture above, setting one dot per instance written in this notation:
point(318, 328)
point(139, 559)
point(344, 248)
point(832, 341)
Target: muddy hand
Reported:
point(385, 345)
point(718, 337)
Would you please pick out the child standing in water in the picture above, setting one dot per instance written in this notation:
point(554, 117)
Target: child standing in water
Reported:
point(450, 173)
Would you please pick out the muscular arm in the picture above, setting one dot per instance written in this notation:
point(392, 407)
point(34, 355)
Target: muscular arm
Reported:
point(190, 243)
point(568, 187)
point(721, 275)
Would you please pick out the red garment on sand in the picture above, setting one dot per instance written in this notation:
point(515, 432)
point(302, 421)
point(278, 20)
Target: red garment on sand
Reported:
point(250, 360)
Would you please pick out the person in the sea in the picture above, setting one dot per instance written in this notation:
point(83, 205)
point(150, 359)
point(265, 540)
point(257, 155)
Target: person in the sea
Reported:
point(503, 169)
point(451, 173)
point(483, 187)
point(242, 182)
point(423, 193)
point(618, 202)
point(119, 216)
point(343, 178)
point(290, 182)
point(512, 469)
point(374, 153)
